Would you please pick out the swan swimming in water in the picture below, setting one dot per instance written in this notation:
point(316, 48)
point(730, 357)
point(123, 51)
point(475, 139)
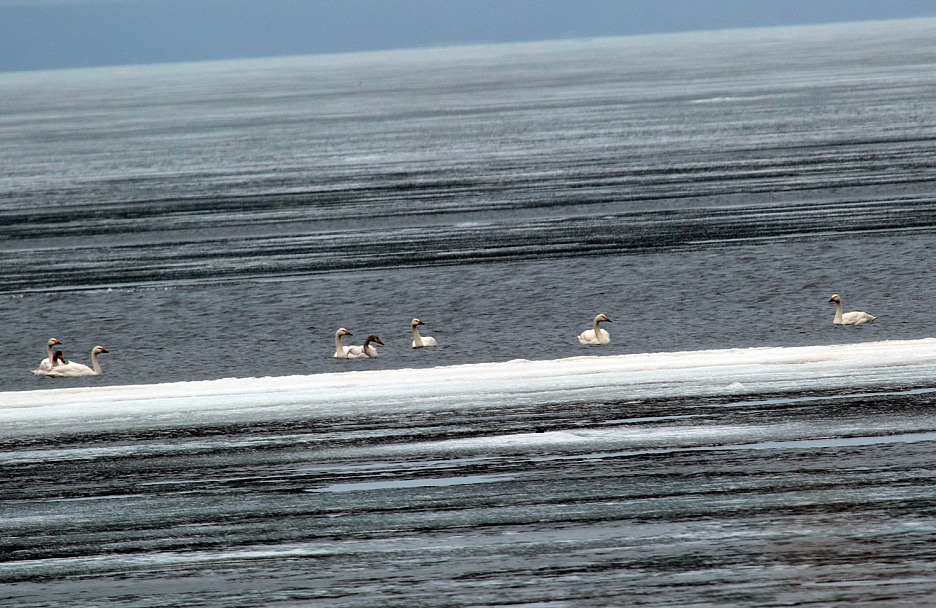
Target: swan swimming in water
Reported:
point(72, 369)
point(420, 341)
point(368, 351)
point(58, 360)
point(341, 351)
point(47, 363)
point(596, 335)
point(849, 318)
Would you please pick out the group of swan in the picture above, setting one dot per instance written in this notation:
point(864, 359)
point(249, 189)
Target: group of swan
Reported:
point(55, 365)
point(368, 350)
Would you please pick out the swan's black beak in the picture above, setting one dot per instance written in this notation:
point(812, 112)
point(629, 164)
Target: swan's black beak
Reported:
point(379, 341)
point(104, 350)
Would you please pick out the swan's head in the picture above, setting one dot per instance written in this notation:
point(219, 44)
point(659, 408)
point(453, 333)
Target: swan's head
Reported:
point(52, 342)
point(97, 350)
point(58, 357)
point(416, 322)
point(602, 318)
point(373, 338)
point(343, 332)
point(835, 298)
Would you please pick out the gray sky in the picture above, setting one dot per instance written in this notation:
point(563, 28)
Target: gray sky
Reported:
point(44, 34)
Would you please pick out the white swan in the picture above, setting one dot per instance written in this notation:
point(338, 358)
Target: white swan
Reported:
point(849, 318)
point(341, 351)
point(47, 363)
point(72, 369)
point(596, 335)
point(420, 341)
point(58, 360)
point(368, 351)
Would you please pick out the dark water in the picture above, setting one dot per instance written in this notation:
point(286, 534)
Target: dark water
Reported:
point(826, 501)
point(713, 190)
point(705, 191)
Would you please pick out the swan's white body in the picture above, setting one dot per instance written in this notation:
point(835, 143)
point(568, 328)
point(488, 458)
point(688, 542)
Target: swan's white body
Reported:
point(596, 336)
point(73, 370)
point(367, 351)
point(341, 351)
point(49, 362)
point(420, 341)
point(849, 318)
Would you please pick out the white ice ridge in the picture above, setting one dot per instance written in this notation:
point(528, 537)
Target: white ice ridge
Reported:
point(563, 381)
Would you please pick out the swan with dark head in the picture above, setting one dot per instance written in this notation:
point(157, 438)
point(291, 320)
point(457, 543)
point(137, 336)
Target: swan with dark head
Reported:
point(367, 351)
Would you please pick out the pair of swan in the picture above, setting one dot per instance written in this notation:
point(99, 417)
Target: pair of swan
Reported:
point(848, 318)
point(367, 351)
point(55, 365)
point(598, 336)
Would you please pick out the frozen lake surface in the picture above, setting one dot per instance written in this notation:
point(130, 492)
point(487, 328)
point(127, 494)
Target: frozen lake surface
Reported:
point(696, 478)
point(213, 224)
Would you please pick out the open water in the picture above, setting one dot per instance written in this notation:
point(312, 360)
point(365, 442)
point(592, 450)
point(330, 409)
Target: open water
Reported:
point(213, 224)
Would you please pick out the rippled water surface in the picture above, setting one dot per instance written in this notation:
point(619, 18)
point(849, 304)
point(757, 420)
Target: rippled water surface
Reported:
point(706, 191)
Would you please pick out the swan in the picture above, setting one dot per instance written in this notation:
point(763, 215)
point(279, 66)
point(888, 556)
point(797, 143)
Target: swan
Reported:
point(58, 360)
point(364, 352)
point(72, 369)
point(341, 351)
point(597, 335)
point(849, 318)
point(420, 341)
point(47, 363)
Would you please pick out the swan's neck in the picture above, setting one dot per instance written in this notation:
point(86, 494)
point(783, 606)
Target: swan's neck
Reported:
point(597, 329)
point(95, 364)
point(838, 312)
point(417, 339)
point(338, 347)
point(49, 351)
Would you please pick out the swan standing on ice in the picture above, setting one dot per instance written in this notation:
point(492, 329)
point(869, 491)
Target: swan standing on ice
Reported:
point(47, 363)
point(849, 318)
point(420, 341)
point(596, 335)
point(368, 351)
point(341, 351)
point(72, 369)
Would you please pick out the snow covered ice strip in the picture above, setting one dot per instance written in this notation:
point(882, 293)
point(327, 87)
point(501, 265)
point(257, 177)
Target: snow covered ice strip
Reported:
point(731, 372)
